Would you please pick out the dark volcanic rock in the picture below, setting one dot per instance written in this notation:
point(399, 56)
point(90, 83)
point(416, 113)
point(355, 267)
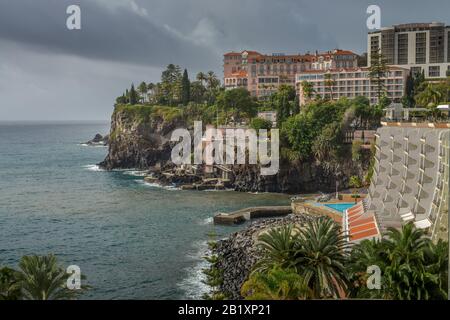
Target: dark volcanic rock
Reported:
point(139, 144)
point(99, 140)
point(239, 253)
point(295, 177)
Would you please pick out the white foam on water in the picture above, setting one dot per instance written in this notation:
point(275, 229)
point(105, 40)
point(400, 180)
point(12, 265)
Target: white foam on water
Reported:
point(194, 285)
point(92, 145)
point(207, 221)
point(136, 173)
point(93, 167)
point(157, 185)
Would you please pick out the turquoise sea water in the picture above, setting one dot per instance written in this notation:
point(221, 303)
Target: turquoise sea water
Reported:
point(341, 207)
point(131, 240)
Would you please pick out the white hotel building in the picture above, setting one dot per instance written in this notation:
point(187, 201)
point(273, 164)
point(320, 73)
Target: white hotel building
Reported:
point(351, 83)
point(416, 46)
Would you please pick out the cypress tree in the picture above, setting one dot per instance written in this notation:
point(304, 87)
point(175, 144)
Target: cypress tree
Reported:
point(133, 95)
point(296, 106)
point(185, 88)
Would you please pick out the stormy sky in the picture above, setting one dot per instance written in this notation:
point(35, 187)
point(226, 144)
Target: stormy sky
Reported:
point(48, 72)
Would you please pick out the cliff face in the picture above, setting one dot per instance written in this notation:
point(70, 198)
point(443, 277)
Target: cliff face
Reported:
point(295, 177)
point(139, 138)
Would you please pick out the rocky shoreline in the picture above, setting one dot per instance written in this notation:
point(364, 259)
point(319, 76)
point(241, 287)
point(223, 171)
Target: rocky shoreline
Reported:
point(143, 143)
point(239, 252)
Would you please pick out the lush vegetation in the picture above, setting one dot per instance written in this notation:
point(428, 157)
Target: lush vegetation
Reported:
point(316, 253)
point(38, 278)
point(412, 266)
point(315, 262)
point(313, 133)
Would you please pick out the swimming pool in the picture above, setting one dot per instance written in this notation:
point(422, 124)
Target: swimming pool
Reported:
point(341, 207)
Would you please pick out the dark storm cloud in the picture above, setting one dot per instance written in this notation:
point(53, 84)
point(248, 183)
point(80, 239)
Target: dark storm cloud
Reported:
point(109, 31)
point(123, 41)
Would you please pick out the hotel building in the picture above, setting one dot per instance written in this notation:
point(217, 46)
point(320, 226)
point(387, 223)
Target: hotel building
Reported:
point(416, 46)
point(262, 74)
point(351, 83)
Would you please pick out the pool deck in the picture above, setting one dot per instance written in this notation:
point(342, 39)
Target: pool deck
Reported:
point(319, 208)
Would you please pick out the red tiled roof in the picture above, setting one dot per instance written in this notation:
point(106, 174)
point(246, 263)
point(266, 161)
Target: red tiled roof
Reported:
point(232, 53)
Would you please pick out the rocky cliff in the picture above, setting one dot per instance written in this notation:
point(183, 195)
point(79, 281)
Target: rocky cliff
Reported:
point(297, 177)
point(139, 138)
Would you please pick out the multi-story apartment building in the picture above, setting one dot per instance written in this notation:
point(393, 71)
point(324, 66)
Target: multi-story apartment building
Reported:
point(351, 83)
point(262, 74)
point(416, 46)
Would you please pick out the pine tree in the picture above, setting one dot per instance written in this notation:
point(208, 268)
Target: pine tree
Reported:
point(185, 88)
point(133, 95)
point(377, 73)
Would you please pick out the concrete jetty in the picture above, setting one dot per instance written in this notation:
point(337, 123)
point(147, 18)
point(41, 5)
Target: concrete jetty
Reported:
point(246, 214)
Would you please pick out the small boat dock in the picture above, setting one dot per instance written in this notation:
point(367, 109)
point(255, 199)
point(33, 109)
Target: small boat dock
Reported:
point(243, 215)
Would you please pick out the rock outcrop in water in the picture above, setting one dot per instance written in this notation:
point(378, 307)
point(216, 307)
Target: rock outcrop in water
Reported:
point(98, 140)
point(239, 252)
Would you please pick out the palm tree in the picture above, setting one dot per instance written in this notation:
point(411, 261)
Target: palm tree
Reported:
point(42, 279)
point(322, 256)
point(211, 80)
point(308, 90)
point(412, 266)
point(201, 77)
point(329, 84)
point(279, 246)
point(276, 284)
point(316, 251)
point(364, 254)
point(9, 284)
point(406, 275)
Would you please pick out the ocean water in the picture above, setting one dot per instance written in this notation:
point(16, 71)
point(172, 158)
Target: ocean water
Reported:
point(130, 239)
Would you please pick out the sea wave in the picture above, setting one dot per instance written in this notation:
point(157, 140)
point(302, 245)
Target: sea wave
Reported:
point(206, 221)
point(93, 145)
point(93, 167)
point(136, 173)
point(157, 185)
point(194, 286)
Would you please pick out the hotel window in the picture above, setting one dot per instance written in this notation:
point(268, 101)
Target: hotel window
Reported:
point(437, 45)
point(448, 71)
point(402, 44)
point(421, 47)
point(434, 71)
